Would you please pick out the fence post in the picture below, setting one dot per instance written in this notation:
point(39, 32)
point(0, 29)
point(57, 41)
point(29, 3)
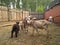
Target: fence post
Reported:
point(1, 14)
point(22, 14)
point(8, 13)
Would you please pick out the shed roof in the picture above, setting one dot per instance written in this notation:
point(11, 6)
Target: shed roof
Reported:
point(52, 4)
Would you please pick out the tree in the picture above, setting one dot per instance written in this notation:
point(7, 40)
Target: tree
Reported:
point(40, 9)
point(33, 5)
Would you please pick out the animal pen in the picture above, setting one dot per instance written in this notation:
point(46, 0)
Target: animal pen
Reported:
point(12, 14)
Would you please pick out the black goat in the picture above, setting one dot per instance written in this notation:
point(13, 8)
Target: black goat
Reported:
point(15, 29)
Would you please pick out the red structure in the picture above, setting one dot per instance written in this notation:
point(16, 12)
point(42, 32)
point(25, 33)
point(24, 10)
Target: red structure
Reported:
point(53, 11)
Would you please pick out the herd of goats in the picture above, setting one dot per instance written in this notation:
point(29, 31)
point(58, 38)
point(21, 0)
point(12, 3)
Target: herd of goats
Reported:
point(36, 24)
point(32, 22)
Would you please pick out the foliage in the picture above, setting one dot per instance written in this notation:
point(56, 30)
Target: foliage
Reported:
point(30, 5)
point(40, 9)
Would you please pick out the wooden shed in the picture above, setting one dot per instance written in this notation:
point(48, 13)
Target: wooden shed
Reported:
point(53, 9)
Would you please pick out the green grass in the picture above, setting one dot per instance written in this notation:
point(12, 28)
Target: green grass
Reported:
point(27, 39)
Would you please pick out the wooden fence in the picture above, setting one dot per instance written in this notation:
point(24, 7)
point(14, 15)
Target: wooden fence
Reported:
point(12, 14)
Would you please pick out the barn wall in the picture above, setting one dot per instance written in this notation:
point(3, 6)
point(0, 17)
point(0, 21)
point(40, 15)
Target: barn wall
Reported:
point(55, 12)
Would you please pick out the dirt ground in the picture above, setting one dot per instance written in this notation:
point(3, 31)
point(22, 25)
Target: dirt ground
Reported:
point(28, 39)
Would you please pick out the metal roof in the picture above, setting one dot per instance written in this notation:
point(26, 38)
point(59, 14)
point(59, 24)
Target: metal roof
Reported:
point(52, 4)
